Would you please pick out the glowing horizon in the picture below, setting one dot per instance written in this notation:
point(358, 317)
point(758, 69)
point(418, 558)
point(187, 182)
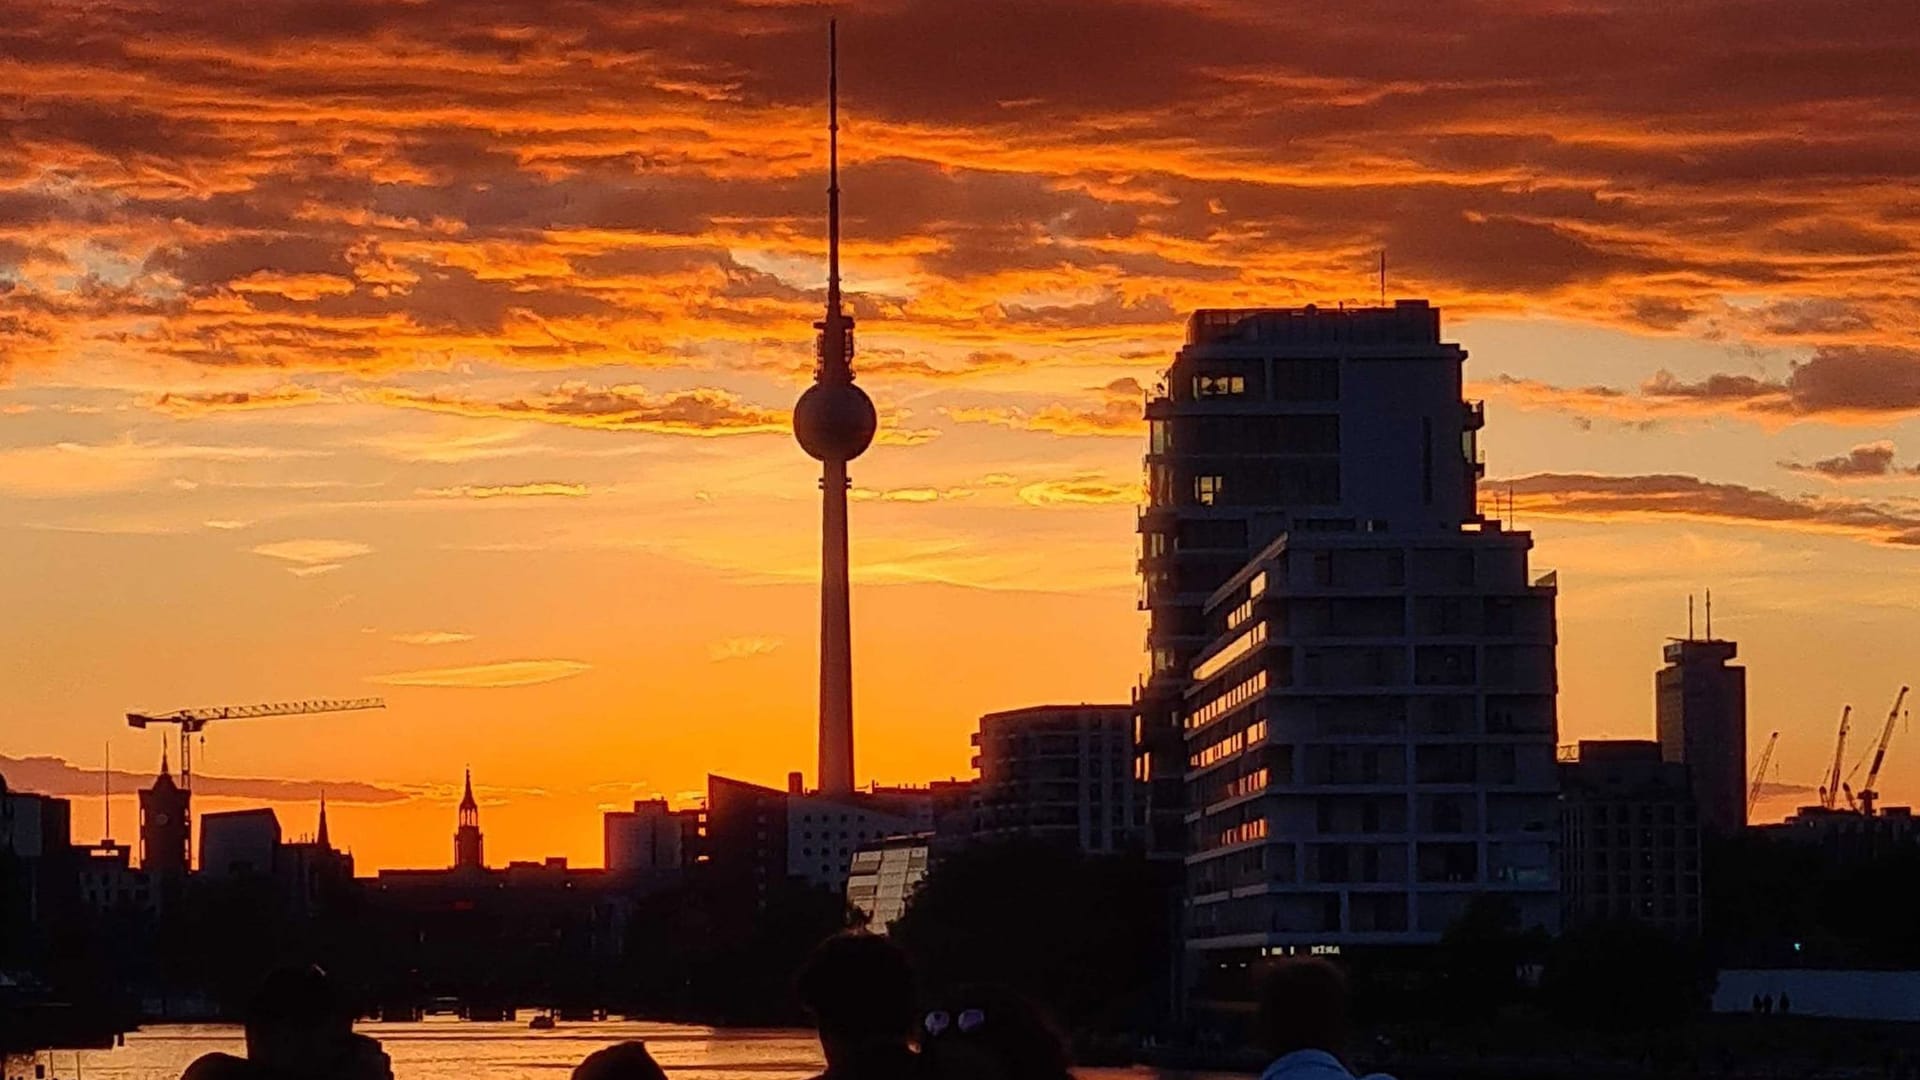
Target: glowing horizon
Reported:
point(444, 352)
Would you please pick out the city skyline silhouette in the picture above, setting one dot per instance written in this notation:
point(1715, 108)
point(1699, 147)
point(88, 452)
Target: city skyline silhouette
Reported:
point(341, 369)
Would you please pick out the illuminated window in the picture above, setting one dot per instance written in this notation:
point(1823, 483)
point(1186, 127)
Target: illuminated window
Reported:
point(1207, 386)
point(1159, 437)
point(1207, 489)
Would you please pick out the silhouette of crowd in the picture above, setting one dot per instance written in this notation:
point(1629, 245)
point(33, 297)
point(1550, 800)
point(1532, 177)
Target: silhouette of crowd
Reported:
point(861, 993)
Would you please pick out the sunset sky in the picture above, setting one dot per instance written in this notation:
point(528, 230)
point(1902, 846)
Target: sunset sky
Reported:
point(443, 351)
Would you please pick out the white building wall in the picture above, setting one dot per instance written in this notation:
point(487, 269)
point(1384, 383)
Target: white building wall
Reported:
point(823, 834)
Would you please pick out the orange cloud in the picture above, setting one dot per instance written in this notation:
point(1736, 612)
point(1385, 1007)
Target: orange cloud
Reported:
point(190, 404)
point(433, 637)
point(293, 286)
point(506, 491)
point(742, 648)
point(700, 412)
point(1080, 491)
point(1589, 497)
point(499, 675)
point(1118, 411)
point(1837, 384)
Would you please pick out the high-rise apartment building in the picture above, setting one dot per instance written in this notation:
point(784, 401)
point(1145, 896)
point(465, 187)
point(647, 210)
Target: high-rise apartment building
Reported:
point(1629, 837)
point(1351, 692)
point(1284, 420)
point(1059, 772)
point(1370, 743)
point(1701, 718)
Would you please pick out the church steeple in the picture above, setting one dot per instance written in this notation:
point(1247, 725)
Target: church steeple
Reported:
point(321, 836)
point(466, 839)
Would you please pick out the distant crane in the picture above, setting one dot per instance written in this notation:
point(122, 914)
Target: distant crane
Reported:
point(1830, 791)
point(193, 721)
point(1868, 795)
point(1760, 774)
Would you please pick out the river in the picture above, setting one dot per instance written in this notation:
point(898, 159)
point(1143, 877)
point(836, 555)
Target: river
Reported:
point(459, 1050)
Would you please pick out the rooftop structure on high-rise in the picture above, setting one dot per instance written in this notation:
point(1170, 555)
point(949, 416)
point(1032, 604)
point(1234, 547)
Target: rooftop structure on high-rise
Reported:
point(834, 422)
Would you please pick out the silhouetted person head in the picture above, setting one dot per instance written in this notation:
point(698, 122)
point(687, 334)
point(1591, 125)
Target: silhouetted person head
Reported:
point(859, 990)
point(986, 1033)
point(218, 1066)
point(297, 1025)
point(1302, 1004)
point(621, 1061)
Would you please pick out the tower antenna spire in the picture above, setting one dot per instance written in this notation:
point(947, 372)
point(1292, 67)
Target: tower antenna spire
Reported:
point(833, 167)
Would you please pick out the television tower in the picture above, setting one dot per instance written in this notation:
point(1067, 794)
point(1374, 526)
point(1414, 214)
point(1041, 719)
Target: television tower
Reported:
point(834, 422)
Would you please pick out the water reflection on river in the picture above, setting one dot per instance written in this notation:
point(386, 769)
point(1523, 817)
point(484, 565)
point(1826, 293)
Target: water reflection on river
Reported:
point(458, 1050)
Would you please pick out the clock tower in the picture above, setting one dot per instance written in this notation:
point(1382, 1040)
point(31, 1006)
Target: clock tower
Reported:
point(164, 826)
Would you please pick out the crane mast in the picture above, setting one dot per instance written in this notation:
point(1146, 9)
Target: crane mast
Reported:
point(1868, 794)
point(1830, 791)
point(1760, 774)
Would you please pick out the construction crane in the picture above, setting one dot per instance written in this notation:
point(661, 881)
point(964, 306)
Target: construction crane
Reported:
point(193, 721)
point(1830, 791)
point(1759, 774)
point(1867, 793)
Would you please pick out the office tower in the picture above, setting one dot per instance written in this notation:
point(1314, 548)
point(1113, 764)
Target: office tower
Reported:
point(1277, 420)
point(467, 844)
point(163, 826)
point(834, 422)
point(1062, 773)
point(1701, 710)
point(1629, 837)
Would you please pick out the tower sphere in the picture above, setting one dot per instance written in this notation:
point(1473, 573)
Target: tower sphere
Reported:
point(834, 421)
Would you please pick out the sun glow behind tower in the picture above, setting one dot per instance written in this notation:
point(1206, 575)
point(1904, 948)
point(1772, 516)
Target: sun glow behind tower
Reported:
point(834, 422)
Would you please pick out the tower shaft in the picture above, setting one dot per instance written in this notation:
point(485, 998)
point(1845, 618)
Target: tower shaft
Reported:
point(836, 634)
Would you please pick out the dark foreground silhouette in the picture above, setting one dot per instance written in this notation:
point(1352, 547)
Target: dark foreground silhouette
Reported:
point(860, 991)
point(298, 1028)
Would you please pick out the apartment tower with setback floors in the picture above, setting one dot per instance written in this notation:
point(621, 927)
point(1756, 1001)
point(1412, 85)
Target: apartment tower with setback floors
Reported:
point(1352, 682)
point(1273, 421)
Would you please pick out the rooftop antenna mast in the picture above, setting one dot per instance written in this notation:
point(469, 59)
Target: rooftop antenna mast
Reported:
point(1709, 614)
point(1689, 616)
point(1383, 276)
